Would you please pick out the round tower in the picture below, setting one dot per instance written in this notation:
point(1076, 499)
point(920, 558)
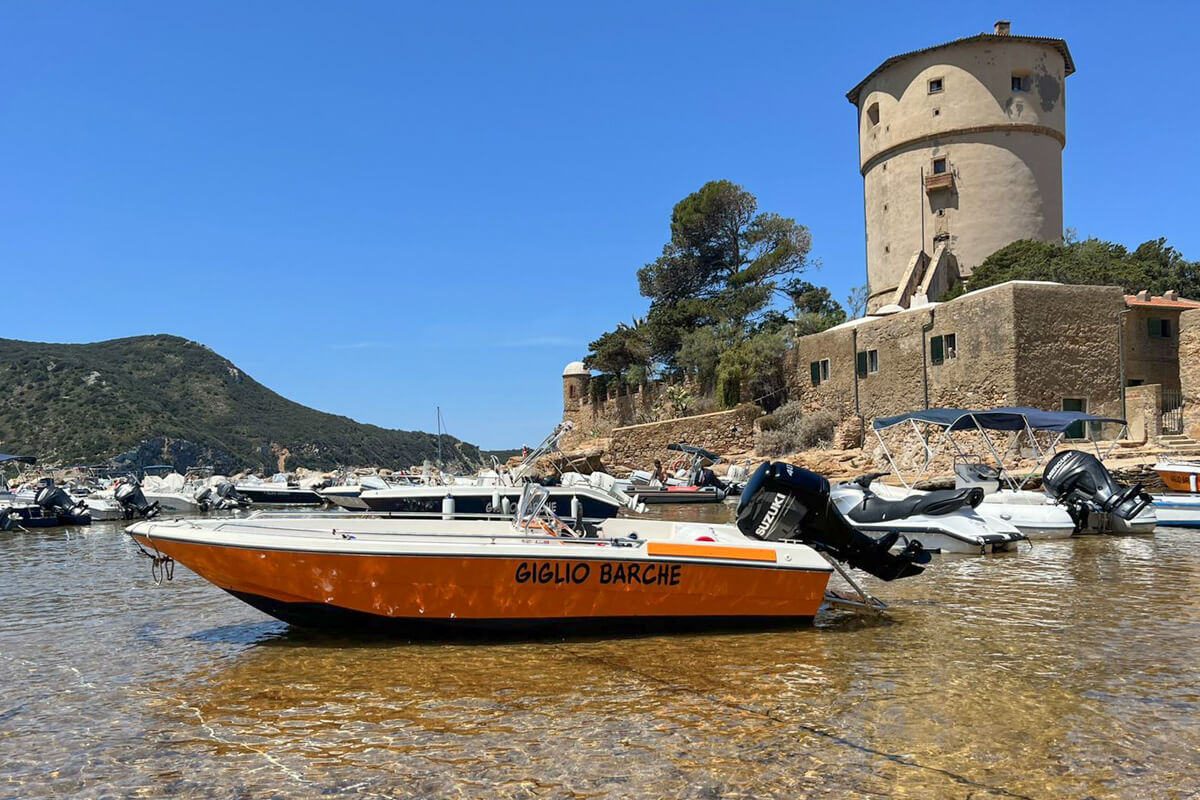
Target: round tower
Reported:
point(576, 378)
point(960, 148)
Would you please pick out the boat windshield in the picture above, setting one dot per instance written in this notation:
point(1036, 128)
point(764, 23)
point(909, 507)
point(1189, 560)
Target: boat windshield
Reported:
point(533, 500)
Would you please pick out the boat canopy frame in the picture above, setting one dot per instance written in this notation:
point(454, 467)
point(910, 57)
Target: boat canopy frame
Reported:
point(1021, 421)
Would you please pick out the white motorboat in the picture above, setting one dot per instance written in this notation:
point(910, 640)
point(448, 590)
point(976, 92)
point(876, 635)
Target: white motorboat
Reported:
point(577, 497)
point(946, 521)
point(1178, 510)
point(357, 572)
point(1090, 502)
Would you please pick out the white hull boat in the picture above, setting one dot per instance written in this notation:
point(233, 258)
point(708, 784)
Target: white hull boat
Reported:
point(1178, 510)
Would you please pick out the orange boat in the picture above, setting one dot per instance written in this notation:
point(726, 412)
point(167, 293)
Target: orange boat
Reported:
point(1179, 476)
point(423, 574)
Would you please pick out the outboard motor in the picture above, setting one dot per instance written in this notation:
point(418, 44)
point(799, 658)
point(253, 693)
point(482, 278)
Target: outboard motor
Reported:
point(227, 496)
point(781, 501)
point(1086, 488)
point(69, 511)
point(133, 501)
point(201, 496)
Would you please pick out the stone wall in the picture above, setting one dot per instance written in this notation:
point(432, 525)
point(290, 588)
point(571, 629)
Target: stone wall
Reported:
point(1189, 370)
point(1019, 343)
point(1143, 412)
point(722, 432)
point(1151, 359)
point(1068, 345)
point(594, 420)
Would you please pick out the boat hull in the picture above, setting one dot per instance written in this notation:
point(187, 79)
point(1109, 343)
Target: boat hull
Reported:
point(1178, 510)
point(663, 496)
point(439, 593)
point(265, 495)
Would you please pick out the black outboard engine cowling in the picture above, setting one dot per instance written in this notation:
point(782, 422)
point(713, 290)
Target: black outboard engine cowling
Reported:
point(133, 501)
point(228, 496)
point(68, 510)
point(1085, 486)
point(781, 501)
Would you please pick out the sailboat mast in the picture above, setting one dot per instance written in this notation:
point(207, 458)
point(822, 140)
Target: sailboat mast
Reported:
point(439, 436)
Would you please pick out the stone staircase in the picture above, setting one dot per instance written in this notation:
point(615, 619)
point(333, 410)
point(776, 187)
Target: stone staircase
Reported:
point(1178, 444)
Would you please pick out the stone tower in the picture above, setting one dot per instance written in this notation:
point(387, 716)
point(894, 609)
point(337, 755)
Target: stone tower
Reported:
point(576, 378)
point(960, 147)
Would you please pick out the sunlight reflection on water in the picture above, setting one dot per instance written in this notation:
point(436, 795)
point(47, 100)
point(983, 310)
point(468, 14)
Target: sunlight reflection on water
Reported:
point(1067, 671)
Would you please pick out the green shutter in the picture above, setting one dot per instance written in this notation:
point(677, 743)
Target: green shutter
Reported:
point(937, 350)
point(814, 371)
point(862, 364)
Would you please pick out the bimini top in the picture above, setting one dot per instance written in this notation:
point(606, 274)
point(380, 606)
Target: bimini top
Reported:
point(695, 451)
point(998, 419)
point(5, 458)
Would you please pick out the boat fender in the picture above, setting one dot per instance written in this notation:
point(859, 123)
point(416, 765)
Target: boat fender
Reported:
point(494, 508)
point(448, 507)
point(506, 507)
point(576, 510)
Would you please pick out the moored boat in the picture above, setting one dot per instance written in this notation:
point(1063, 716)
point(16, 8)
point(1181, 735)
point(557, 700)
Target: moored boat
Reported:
point(358, 571)
point(1179, 476)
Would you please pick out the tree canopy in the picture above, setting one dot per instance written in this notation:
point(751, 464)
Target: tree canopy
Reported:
point(724, 257)
point(1152, 265)
point(711, 290)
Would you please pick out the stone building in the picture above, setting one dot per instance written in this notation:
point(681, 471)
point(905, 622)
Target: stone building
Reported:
point(1022, 343)
point(1151, 340)
point(960, 149)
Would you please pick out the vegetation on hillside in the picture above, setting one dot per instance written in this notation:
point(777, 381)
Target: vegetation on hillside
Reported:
point(1152, 265)
point(715, 314)
point(90, 402)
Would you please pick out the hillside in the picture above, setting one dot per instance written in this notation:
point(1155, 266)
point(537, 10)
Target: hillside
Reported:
point(163, 399)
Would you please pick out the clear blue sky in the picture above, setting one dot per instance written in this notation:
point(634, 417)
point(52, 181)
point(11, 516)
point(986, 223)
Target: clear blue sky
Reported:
point(378, 207)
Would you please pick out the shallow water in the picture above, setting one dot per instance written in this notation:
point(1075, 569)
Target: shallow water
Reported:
point(1072, 670)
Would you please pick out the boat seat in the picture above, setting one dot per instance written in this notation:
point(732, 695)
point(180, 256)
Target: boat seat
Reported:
point(933, 504)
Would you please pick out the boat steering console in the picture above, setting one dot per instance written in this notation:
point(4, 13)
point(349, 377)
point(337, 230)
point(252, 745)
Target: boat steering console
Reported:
point(785, 502)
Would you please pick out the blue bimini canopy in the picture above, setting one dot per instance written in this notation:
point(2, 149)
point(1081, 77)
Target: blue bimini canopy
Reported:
point(5, 458)
point(998, 419)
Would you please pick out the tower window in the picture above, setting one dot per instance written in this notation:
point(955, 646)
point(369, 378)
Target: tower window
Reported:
point(935, 85)
point(1020, 82)
point(939, 166)
point(873, 114)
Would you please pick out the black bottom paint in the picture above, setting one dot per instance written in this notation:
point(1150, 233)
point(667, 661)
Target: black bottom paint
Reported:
point(349, 623)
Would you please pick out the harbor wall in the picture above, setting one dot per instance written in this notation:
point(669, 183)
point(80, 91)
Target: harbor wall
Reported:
point(729, 431)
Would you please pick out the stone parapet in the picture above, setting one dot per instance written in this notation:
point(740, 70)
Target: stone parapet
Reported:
point(722, 432)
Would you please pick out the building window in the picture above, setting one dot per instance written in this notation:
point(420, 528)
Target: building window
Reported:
point(873, 114)
point(935, 85)
point(1020, 82)
point(1075, 431)
point(943, 348)
point(571, 391)
point(1160, 328)
point(868, 362)
point(819, 371)
point(939, 166)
